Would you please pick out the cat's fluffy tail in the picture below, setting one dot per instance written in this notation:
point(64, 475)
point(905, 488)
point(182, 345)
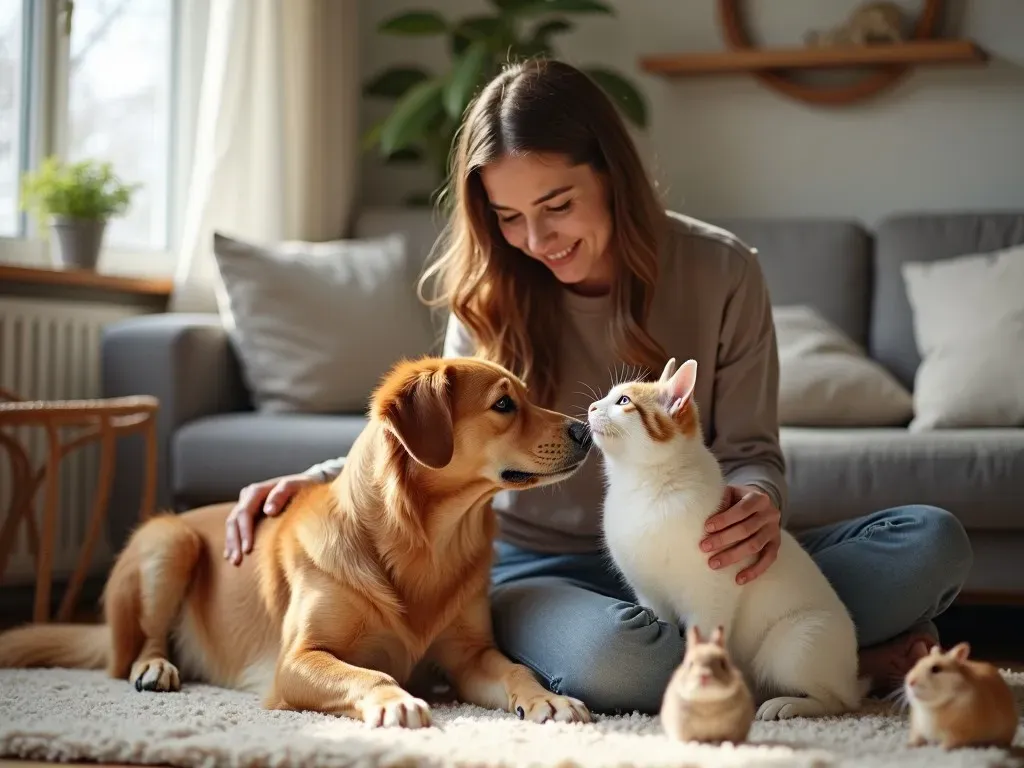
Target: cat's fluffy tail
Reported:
point(813, 652)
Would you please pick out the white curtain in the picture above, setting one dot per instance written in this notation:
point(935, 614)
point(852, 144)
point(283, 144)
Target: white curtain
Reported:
point(276, 144)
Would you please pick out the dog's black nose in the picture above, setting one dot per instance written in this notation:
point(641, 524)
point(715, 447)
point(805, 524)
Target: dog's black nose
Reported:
point(580, 434)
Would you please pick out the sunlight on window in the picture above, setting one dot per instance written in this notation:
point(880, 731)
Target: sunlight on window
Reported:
point(120, 86)
point(11, 101)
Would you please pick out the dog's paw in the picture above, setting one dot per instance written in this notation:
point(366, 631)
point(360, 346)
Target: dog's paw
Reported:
point(787, 707)
point(562, 709)
point(400, 712)
point(155, 675)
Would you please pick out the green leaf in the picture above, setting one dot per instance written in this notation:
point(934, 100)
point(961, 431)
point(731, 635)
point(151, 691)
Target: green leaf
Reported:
point(405, 155)
point(549, 28)
point(393, 83)
point(539, 7)
point(411, 115)
point(371, 138)
point(469, 71)
point(492, 29)
point(512, 6)
point(623, 93)
point(414, 23)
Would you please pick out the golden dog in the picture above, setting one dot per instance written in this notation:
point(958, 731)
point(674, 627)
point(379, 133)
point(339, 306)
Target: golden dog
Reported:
point(358, 582)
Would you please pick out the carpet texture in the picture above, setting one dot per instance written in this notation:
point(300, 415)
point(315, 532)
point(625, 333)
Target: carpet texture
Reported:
point(63, 715)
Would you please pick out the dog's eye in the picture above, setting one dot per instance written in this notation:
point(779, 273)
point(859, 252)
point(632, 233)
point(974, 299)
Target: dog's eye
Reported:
point(623, 400)
point(505, 404)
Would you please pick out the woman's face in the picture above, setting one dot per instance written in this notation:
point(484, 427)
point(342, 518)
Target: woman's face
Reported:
point(556, 213)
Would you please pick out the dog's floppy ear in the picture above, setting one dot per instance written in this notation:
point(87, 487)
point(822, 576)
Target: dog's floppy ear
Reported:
point(417, 408)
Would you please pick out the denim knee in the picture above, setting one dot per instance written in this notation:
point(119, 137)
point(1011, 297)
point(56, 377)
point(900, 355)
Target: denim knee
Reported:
point(943, 546)
point(628, 664)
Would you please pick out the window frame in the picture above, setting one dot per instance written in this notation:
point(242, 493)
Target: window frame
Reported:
point(45, 83)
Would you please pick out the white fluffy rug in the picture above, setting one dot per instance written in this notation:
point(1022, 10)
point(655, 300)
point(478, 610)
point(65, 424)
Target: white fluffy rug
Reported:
point(63, 715)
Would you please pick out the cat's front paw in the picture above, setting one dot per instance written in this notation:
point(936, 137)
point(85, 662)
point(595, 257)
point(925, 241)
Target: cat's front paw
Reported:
point(562, 709)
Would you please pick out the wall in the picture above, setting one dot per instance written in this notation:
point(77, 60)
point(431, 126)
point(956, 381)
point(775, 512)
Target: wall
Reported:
point(944, 138)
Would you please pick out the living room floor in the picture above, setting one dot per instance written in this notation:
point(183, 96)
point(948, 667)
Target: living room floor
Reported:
point(992, 630)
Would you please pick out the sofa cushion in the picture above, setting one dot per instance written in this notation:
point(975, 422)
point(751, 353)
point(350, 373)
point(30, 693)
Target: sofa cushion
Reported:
point(826, 379)
point(969, 327)
point(924, 238)
point(213, 458)
point(825, 264)
point(316, 325)
point(838, 474)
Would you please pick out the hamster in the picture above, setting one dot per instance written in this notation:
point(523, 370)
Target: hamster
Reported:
point(958, 702)
point(707, 699)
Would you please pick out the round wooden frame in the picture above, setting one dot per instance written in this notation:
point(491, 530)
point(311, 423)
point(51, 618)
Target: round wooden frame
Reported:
point(735, 34)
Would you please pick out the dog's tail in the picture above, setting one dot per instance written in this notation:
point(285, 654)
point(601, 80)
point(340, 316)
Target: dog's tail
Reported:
point(76, 646)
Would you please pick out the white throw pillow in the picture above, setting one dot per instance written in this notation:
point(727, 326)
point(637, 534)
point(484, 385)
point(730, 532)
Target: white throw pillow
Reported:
point(316, 325)
point(968, 315)
point(826, 379)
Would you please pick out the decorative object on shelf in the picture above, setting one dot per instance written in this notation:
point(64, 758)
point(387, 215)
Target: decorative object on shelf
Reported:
point(96, 420)
point(873, 22)
point(891, 61)
point(428, 106)
point(74, 201)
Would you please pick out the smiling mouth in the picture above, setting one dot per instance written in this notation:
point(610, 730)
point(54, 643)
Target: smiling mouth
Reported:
point(518, 476)
point(560, 255)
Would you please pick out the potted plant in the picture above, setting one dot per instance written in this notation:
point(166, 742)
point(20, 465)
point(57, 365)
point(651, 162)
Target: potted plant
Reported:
point(75, 201)
point(427, 106)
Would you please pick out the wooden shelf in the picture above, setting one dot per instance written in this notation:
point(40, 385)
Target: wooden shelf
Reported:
point(910, 53)
point(85, 279)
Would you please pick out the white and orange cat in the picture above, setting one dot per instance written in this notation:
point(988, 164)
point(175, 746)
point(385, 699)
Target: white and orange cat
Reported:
point(788, 631)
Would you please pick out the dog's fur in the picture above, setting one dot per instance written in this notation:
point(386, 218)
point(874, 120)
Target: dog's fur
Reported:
point(358, 581)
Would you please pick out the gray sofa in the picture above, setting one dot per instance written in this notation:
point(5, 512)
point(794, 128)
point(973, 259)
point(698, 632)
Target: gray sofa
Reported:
point(212, 442)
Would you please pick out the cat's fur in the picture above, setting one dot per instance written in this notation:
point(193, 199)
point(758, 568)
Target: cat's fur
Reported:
point(788, 631)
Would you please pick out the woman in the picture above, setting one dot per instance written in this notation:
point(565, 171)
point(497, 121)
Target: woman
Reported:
point(561, 264)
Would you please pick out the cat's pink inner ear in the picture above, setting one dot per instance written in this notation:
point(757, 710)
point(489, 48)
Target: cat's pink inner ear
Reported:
point(682, 383)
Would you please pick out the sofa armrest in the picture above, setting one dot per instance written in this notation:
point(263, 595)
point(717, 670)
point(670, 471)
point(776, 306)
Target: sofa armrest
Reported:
point(187, 362)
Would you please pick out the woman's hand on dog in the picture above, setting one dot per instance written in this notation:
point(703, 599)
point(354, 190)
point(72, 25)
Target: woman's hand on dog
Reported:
point(269, 497)
point(747, 524)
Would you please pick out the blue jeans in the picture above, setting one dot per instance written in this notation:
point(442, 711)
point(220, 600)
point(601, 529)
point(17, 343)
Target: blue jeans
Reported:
point(569, 618)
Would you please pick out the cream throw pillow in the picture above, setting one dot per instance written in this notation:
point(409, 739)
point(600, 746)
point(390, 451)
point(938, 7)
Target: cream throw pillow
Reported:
point(316, 325)
point(826, 379)
point(969, 326)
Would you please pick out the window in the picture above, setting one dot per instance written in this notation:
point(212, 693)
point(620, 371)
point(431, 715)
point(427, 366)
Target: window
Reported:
point(95, 79)
point(13, 29)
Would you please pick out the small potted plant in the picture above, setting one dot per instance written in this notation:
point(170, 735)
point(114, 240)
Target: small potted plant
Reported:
point(75, 201)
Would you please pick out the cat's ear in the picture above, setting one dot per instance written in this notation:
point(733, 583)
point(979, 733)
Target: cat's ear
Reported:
point(680, 386)
point(670, 368)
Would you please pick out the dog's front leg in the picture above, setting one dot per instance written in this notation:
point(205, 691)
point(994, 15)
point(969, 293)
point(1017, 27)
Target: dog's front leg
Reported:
point(317, 680)
point(320, 627)
point(483, 675)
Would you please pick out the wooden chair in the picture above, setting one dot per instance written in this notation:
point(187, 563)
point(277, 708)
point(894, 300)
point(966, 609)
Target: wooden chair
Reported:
point(96, 420)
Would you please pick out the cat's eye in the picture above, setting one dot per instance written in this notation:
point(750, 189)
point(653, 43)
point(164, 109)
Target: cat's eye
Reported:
point(624, 400)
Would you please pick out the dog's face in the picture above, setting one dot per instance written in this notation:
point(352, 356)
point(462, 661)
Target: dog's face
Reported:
point(469, 420)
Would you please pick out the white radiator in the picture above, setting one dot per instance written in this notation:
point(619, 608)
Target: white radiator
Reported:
point(51, 350)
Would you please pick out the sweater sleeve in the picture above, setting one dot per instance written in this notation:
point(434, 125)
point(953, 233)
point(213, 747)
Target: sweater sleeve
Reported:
point(746, 429)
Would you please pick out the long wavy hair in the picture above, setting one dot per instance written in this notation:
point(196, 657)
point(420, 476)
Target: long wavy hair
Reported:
point(511, 304)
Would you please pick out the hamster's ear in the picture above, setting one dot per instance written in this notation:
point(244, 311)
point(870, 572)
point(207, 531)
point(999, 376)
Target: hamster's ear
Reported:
point(960, 651)
point(670, 368)
point(693, 635)
point(718, 636)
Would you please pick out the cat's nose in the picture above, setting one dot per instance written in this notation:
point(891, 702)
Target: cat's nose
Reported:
point(593, 407)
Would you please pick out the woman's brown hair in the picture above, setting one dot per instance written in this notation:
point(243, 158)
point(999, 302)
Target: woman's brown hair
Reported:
point(509, 303)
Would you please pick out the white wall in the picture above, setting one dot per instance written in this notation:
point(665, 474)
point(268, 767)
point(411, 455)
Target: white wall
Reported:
point(944, 138)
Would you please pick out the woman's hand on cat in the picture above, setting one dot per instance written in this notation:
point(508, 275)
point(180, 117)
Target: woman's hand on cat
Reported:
point(749, 524)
